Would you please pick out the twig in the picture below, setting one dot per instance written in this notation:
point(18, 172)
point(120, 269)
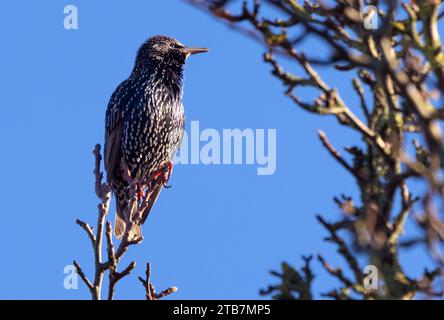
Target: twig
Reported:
point(337, 155)
point(84, 278)
point(150, 292)
point(88, 230)
point(103, 192)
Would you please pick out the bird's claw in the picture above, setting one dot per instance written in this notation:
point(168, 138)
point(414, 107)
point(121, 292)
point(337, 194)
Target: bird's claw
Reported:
point(163, 175)
point(167, 174)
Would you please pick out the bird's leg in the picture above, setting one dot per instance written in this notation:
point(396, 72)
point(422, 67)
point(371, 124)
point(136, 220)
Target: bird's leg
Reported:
point(167, 174)
point(164, 174)
point(134, 184)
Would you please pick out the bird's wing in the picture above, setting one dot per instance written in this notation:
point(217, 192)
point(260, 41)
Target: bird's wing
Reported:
point(120, 100)
point(112, 148)
point(153, 197)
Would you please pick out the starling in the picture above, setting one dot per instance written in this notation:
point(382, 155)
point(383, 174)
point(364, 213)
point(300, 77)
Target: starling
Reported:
point(144, 124)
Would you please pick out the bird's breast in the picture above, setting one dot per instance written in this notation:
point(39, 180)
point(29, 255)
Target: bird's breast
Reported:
point(153, 129)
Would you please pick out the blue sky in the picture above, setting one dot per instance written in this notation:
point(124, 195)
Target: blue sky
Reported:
point(219, 230)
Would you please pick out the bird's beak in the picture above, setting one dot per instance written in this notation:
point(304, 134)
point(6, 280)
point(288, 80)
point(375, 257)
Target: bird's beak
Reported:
point(190, 51)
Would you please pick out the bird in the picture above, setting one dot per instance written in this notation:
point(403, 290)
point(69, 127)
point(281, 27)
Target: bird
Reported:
point(144, 126)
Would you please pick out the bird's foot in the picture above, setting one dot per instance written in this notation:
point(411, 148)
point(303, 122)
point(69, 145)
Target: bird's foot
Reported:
point(163, 174)
point(168, 171)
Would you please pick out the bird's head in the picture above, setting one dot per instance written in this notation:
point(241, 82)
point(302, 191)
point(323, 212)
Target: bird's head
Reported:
point(164, 51)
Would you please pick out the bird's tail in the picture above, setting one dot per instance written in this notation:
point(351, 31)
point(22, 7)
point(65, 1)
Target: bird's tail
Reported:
point(121, 211)
point(120, 224)
point(120, 228)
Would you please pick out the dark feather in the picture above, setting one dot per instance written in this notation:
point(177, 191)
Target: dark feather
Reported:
point(153, 197)
point(112, 150)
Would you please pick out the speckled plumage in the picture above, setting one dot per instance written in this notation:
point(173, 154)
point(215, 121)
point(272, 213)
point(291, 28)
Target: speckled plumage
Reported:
point(145, 118)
